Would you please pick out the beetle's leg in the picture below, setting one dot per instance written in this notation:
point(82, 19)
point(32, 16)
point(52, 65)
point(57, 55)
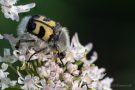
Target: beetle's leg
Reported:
point(61, 55)
point(36, 53)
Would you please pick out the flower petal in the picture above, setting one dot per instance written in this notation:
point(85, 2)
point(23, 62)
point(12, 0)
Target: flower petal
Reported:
point(1, 37)
point(89, 47)
point(20, 81)
point(7, 52)
point(8, 2)
point(75, 41)
point(93, 58)
point(43, 82)
point(13, 83)
point(4, 66)
point(11, 11)
point(25, 8)
point(20, 76)
point(4, 86)
point(28, 77)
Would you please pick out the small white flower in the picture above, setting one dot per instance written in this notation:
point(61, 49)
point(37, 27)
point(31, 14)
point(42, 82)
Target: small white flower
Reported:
point(71, 67)
point(55, 71)
point(68, 58)
point(11, 11)
point(18, 56)
point(5, 82)
point(86, 79)
point(4, 68)
point(106, 83)
point(1, 37)
point(7, 57)
point(45, 86)
point(76, 72)
point(50, 70)
point(67, 78)
point(87, 63)
point(7, 52)
point(94, 85)
point(28, 83)
point(77, 85)
point(94, 73)
point(43, 72)
point(60, 85)
point(77, 49)
point(94, 57)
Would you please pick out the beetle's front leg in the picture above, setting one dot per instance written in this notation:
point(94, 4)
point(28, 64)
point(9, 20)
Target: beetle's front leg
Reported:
point(36, 53)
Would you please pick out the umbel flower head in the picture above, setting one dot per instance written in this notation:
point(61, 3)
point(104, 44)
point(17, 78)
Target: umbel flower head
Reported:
point(43, 65)
point(47, 71)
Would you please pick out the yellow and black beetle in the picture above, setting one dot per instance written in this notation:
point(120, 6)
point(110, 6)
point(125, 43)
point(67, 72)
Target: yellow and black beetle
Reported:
point(44, 28)
point(47, 30)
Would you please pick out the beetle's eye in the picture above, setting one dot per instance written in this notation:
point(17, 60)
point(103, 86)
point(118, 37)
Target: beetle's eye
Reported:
point(31, 26)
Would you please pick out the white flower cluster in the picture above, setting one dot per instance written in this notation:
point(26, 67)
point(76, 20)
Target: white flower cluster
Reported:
point(46, 71)
point(5, 82)
point(11, 11)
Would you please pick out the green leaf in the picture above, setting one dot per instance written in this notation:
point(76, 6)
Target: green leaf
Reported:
point(13, 89)
point(17, 87)
point(78, 62)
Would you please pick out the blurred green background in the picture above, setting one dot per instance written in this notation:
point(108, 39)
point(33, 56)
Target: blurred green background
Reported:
point(109, 25)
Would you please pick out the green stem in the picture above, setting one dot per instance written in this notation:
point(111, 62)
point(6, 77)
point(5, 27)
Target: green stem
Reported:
point(10, 65)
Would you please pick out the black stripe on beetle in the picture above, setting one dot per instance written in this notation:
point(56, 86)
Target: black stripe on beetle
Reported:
point(41, 32)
